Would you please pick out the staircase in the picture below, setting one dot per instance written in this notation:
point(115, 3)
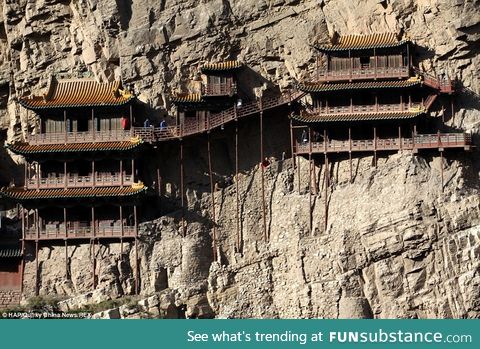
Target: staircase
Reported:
point(215, 120)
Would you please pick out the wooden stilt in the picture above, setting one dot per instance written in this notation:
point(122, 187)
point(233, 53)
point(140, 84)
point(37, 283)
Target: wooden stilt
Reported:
point(37, 271)
point(182, 194)
point(375, 146)
point(137, 281)
point(237, 213)
point(292, 149)
point(212, 193)
point(310, 219)
point(262, 167)
point(66, 244)
point(453, 109)
point(66, 260)
point(441, 169)
point(94, 258)
point(350, 153)
point(327, 184)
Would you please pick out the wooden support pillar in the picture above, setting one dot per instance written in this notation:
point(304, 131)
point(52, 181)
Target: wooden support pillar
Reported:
point(131, 116)
point(262, 167)
point(121, 221)
point(65, 181)
point(182, 194)
point(37, 270)
point(121, 173)
point(37, 223)
point(212, 194)
point(327, 184)
point(350, 153)
point(137, 276)
point(310, 219)
point(94, 257)
point(37, 174)
point(133, 171)
point(441, 169)
point(25, 174)
point(94, 177)
point(65, 230)
point(93, 124)
point(375, 146)
point(453, 109)
point(65, 125)
point(292, 140)
point(67, 277)
point(237, 208)
point(400, 145)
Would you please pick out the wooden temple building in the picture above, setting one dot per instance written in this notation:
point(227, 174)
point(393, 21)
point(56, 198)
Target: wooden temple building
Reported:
point(81, 180)
point(367, 96)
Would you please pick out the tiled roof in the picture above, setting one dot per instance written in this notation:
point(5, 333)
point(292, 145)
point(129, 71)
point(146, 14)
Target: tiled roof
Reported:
point(221, 66)
point(370, 41)
point(324, 87)
point(10, 252)
point(187, 98)
point(27, 149)
point(311, 117)
point(78, 93)
point(21, 194)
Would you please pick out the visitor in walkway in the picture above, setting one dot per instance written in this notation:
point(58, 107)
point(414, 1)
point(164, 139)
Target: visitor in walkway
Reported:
point(125, 123)
point(163, 125)
point(304, 137)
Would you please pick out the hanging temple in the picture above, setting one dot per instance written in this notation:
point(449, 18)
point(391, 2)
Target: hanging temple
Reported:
point(81, 181)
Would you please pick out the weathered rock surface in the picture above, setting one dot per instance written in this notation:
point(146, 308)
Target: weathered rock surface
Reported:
point(395, 244)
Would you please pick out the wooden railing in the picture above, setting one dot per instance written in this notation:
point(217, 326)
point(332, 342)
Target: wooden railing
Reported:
point(158, 134)
point(79, 230)
point(425, 141)
point(223, 89)
point(75, 181)
point(194, 126)
point(443, 85)
point(369, 108)
point(79, 137)
point(362, 73)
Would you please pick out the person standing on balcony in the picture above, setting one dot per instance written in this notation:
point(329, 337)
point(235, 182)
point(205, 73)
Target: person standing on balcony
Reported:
point(146, 123)
point(304, 136)
point(125, 123)
point(163, 125)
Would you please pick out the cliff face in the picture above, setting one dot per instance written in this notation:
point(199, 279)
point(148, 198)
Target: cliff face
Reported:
point(395, 245)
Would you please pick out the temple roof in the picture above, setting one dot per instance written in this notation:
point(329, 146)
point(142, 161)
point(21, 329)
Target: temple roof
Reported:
point(324, 87)
point(187, 98)
point(10, 252)
point(358, 42)
point(221, 66)
point(21, 194)
point(78, 93)
point(312, 117)
point(27, 149)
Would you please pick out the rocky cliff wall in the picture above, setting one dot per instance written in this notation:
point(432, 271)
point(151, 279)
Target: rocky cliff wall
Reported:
point(395, 244)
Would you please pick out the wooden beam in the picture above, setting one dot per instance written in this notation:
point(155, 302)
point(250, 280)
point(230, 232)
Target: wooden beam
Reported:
point(237, 208)
point(182, 194)
point(212, 195)
point(137, 277)
point(262, 168)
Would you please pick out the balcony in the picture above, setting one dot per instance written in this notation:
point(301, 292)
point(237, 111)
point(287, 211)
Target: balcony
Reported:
point(421, 141)
point(75, 181)
point(220, 89)
point(79, 137)
point(366, 108)
point(80, 230)
point(362, 73)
